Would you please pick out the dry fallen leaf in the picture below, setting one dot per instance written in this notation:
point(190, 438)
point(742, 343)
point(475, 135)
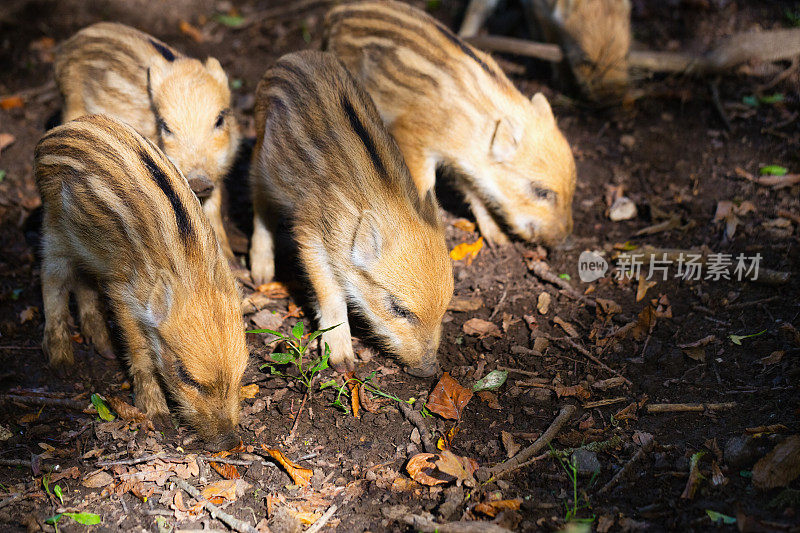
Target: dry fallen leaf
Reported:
point(467, 250)
point(490, 399)
point(11, 102)
point(448, 398)
point(543, 303)
point(576, 391)
point(224, 490)
point(464, 225)
point(97, 480)
point(566, 326)
point(779, 467)
point(267, 319)
point(125, 410)
point(459, 467)
point(274, 289)
point(28, 314)
point(301, 476)
point(508, 443)
point(225, 470)
point(352, 386)
point(773, 358)
point(248, 392)
point(607, 307)
point(192, 32)
point(463, 305)
point(609, 383)
point(643, 287)
point(695, 477)
point(422, 469)
point(6, 140)
point(369, 404)
point(491, 508)
point(481, 328)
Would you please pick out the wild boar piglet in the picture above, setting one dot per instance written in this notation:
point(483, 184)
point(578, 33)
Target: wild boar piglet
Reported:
point(324, 161)
point(448, 104)
point(120, 220)
point(179, 103)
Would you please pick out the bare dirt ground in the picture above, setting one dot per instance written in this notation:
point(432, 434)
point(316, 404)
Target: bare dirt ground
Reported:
point(614, 356)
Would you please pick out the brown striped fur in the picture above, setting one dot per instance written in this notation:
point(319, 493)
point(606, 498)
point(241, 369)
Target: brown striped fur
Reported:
point(324, 160)
point(177, 102)
point(121, 220)
point(448, 104)
point(596, 36)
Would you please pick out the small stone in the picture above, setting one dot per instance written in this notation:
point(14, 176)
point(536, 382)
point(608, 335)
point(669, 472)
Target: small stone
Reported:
point(415, 436)
point(741, 452)
point(623, 208)
point(586, 462)
point(543, 303)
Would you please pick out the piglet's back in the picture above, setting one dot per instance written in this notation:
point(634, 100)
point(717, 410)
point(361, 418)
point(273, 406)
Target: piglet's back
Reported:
point(318, 121)
point(99, 178)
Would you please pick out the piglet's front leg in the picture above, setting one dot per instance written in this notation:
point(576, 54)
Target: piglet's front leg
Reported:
point(331, 308)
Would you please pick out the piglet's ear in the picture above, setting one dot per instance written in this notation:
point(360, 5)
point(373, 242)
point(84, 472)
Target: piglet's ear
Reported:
point(367, 242)
point(159, 303)
point(504, 141)
point(215, 69)
point(542, 107)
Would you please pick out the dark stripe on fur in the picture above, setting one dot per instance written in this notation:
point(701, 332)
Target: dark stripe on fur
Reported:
point(363, 134)
point(181, 216)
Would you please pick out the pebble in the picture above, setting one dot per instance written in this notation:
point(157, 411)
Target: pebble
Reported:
point(586, 462)
point(623, 208)
point(741, 452)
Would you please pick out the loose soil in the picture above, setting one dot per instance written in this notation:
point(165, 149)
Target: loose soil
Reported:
point(673, 156)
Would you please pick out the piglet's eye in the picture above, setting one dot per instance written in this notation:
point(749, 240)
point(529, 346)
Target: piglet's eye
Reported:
point(221, 119)
point(399, 310)
point(543, 193)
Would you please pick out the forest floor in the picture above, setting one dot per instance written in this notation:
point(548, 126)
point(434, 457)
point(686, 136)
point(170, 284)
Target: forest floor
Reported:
point(616, 349)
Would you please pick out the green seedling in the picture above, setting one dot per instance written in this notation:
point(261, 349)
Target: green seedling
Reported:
point(2, 175)
point(87, 519)
point(571, 511)
point(295, 352)
point(737, 339)
point(231, 21)
point(719, 517)
point(773, 170)
point(343, 390)
point(565, 276)
point(59, 494)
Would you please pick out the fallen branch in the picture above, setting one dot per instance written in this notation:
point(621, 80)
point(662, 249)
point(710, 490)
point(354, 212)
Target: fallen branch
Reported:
point(217, 513)
point(688, 407)
point(426, 524)
point(11, 499)
point(44, 401)
point(322, 520)
point(132, 461)
point(744, 305)
point(619, 476)
point(763, 46)
point(591, 356)
point(563, 417)
point(416, 418)
point(183, 459)
point(542, 271)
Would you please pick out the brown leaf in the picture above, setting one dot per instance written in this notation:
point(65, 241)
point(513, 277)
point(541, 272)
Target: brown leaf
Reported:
point(459, 467)
point(627, 413)
point(607, 307)
point(225, 470)
point(717, 477)
point(72, 473)
point(301, 476)
point(481, 328)
point(248, 392)
point(566, 326)
point(274, 289)
point(464, 305)
point(97, 480)
point(695, 477)
point(467, 250)
point(448, 398)
point(773, 358)
point(490, 398)
point(645, 323)
point(609, 383)
point(352, 386)
point(543, 303)
point(6, 140)
point(464, 225)
point(267, 319)
point(369, 405)
point(224, 490)
point(422, 469)
point(294, 311)
point(779, 467)
point(508, 443)
point(28, 314)
point(11, 102)
point(576, 391)
point(491, 509)
point(125, 410)
point(190, 31)
point(643, 287)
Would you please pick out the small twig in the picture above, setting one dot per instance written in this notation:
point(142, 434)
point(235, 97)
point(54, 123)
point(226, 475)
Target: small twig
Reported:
point(41, 400)
point(421, 523)
point(744, 305)
point(291, 436)
point(322, 520)
point(515, 462)
point(416, 418)
point(542, 271)
point(499, 304)
point(158, 512)
point(8, 501)
point(688, 407)
point(15, 462)
point(217, 513)
point(619, 476)
point(518, 371)
point(591, 356)
point(132, 461)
